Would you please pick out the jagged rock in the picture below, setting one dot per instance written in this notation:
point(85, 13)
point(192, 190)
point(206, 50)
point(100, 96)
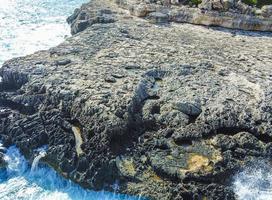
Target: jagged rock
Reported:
point(206, 5)
point(267, 11)
point(224, 5)
point(244, 8)
point(2, 161)
point(191, 109)
point(227, 13)
point(172, 111)
point(158, 17)
point(83, 18)
point(63, 62)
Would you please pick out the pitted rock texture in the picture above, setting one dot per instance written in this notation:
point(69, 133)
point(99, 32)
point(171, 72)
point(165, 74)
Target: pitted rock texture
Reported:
point(171, 112)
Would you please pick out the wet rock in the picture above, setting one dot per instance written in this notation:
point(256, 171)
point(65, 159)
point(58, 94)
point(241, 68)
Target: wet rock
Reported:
point(3, 162)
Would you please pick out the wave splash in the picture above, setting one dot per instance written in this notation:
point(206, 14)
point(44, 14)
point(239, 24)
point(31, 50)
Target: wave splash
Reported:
point(254, 182)
point(27, 26)
point(18, 182)
point(41, 154)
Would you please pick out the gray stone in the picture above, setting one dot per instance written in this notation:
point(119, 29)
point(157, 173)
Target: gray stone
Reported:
point(266, 11)
point(157, 17)
point(170, 111)
point(188, 108)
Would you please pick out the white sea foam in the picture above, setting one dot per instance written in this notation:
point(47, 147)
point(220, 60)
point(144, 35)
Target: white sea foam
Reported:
point(254, 182)
point(19, 183)
point(27, 26)
point(41, 154)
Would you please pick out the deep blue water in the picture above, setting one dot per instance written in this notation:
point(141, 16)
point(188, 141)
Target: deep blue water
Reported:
point(18, 182)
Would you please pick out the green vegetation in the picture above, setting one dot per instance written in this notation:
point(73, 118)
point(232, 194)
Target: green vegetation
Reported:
point(258, 3)
point(195, 2)
point(250, 2)
point(261, 3)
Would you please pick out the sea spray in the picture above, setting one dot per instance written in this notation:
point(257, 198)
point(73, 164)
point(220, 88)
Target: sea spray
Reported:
point(254, 182)
point(27, 26)
point(41, 154)
point(18, 182)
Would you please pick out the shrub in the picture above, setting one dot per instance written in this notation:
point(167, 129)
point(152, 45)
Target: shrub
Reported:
point(258, 3)
point(195, 2)
point(250, 2)
point(261, 3)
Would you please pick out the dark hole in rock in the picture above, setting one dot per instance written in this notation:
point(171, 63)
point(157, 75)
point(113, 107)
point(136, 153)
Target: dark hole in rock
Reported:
point(187, 195)
point(230, 130)
point(17, 106)
point(169, 133)
point(155, 109)
point(184, 142)
point(155, 97)
point(117, 145)
point(192, 119)
point(264, 137)
point(234, 130)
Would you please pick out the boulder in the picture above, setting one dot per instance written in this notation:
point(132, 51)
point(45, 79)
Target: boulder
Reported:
point(266, 11)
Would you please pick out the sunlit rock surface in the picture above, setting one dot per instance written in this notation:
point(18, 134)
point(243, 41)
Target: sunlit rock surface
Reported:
point(170, 111)
point(226, 13)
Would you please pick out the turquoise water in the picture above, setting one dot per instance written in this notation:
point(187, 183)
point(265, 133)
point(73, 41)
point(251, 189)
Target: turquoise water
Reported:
point(18, 182)
point(30, 25)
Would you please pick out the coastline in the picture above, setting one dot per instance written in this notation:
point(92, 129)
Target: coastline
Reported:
point(155, 104)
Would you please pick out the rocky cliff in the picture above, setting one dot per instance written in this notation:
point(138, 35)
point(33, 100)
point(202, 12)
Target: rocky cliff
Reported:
point(225, 13)
point(171, 111)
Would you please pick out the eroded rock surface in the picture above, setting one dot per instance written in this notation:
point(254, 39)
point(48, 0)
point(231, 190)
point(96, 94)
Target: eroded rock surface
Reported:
point(171, 112)
point(225, 13)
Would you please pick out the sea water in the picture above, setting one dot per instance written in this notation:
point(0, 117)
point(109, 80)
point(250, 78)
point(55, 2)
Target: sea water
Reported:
point(19, 182)
point(30, 25)
point(27, 26)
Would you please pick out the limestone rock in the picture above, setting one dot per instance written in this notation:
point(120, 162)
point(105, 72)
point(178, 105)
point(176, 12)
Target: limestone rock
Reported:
point(267, 11)
point(172, 110)
point(158, 17)
point(226, 13)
